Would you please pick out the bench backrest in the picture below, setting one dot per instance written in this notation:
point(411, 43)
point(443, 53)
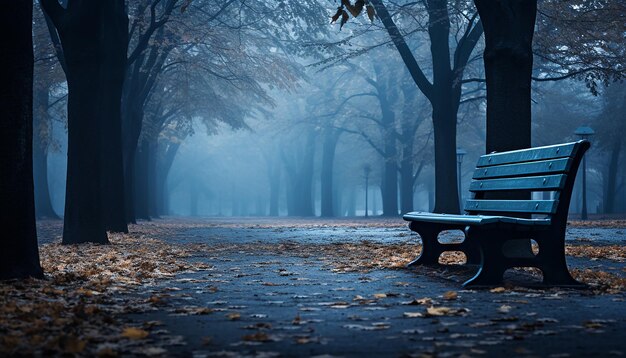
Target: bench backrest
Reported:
point(550, 168)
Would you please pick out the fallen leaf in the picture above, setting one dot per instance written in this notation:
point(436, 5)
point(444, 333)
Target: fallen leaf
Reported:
point(134, 333)
point(413, 314)
point(233, 316)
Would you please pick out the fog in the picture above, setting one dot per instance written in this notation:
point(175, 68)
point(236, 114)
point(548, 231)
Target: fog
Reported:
point(226, 172)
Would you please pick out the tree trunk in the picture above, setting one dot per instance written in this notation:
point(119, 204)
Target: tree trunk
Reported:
point(300, 179)
point(151, 170)
point(509, 27)
point(406, 185)
point(132, 115)
point(444, 88)
point(390, 150)
point(611, 181)
point(19, 255)
point(42, 133)
point(142, 190)
point(113, 73)
point(94, 36)
point(274, 178)
point(331, 137)
point(164, 164)
point(305, 179)
point(444, 125)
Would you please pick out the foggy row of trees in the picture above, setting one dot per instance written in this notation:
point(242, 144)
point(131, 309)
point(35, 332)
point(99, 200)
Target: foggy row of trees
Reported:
point(386, 106)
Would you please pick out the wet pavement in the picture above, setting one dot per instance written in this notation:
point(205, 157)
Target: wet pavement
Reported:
point(256, 303)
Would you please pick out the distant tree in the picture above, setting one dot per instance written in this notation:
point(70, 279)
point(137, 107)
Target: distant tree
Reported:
point(49, 76)
point(94, 36)
point(444, 91)
point(611, 128)
point(19, 255)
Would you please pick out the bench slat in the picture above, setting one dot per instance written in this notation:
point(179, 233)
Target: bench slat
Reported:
point(528, 155)
point(512, 206)
point(524, 169)
point(472, 219)
point(538, 183)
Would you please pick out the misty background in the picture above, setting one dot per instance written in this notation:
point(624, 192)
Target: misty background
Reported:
point(312, 129)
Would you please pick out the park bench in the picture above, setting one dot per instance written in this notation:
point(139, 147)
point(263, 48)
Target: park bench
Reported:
point(498, 224)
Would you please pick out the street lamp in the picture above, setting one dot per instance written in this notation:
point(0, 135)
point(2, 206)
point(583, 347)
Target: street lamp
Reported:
point(366, 170)
point(460, 153)
point(584, 132)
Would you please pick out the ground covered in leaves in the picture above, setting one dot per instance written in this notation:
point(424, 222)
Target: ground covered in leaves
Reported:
point(262, 287)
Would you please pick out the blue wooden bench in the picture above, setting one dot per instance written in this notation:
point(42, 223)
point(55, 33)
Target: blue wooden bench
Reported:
point(492, 224)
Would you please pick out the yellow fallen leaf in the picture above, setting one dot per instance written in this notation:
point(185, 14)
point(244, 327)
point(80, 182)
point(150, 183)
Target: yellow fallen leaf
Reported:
point(380, 295)
point(498, 290)
point(134, 333)
point(438, 311)
point(233, 316)
point(257, 337)
point(450, 295)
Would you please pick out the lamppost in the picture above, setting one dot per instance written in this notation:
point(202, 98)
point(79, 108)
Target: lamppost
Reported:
point(460, 153)
point(366, 170)
point(584, 132)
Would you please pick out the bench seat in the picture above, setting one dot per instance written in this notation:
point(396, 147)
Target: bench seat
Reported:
point(474, 220)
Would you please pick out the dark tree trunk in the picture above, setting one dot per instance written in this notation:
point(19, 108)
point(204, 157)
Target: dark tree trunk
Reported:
point(390, 150)
point(305, 179)
point(331, 137)
point(113, 73)
point(611, 182)
point(274, 178)
point(42, 129)
point(141, 188)
point(406, 185)
point(94, 36)
point(164, 165)
point(444, 125)
point(151, 169)
point(509, 27)
point(390, 186)
point(300, 179)
point(410, 123)
point(445, 99)
point(133, 116)
point(19, 255)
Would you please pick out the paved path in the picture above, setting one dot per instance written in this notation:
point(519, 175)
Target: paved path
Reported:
point(261, 304)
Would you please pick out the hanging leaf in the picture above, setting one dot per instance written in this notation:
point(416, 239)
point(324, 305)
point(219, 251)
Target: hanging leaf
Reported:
point(355, 9)
point(371, 13)
point(344, 18)
point(358, 7)
point(336, 16)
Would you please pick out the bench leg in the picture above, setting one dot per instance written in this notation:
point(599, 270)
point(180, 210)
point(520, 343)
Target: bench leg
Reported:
point(552, 264)
point(492, 265)
point(431, 248)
